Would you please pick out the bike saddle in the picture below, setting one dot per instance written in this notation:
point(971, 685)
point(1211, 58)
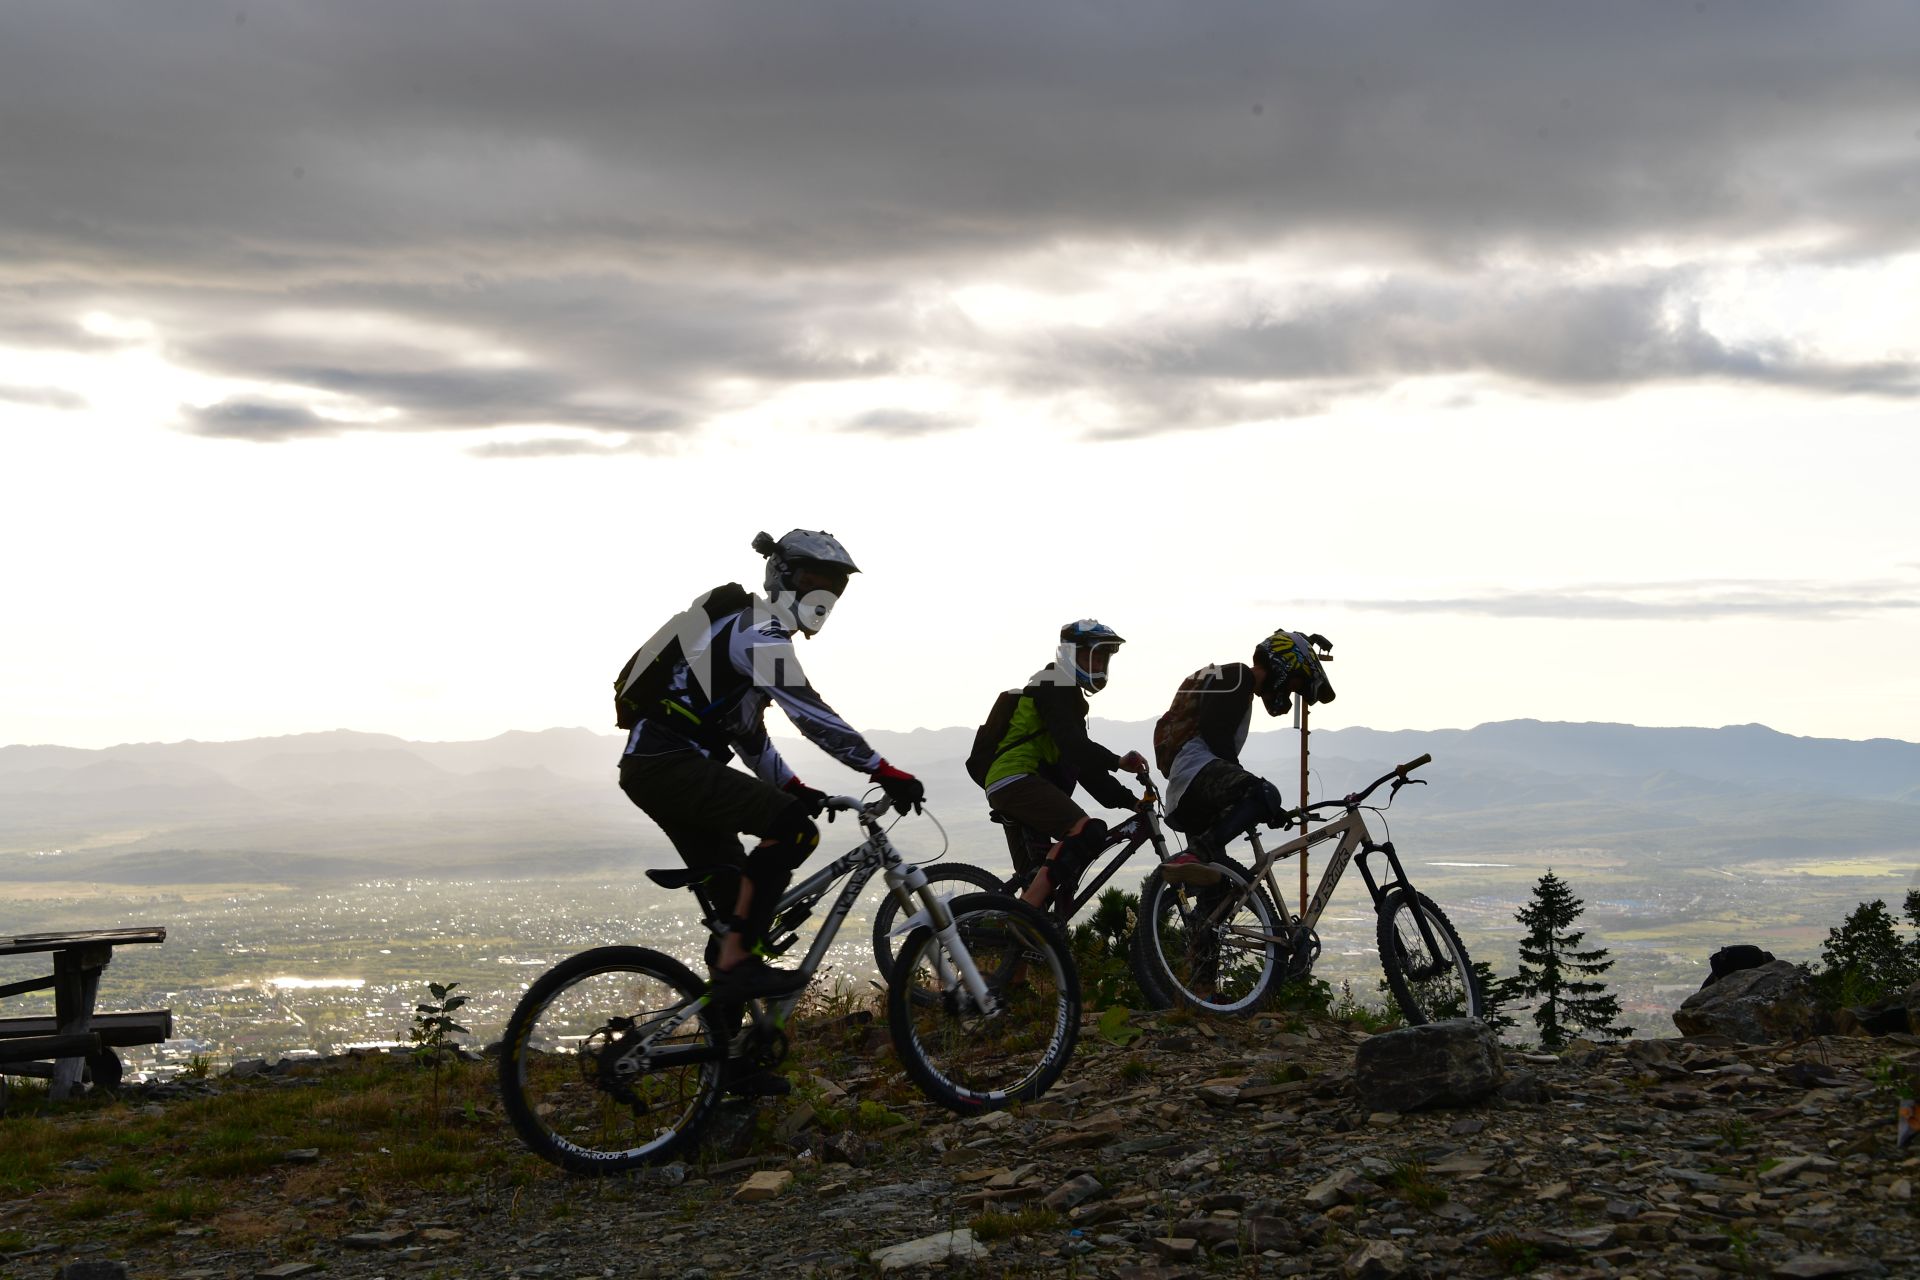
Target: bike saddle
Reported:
point(677, 877)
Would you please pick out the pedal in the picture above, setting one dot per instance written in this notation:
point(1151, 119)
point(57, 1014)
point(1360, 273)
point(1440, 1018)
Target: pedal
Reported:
point(1193, 874)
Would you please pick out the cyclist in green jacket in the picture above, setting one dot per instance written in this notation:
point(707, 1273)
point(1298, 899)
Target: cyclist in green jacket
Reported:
point(1045, 752)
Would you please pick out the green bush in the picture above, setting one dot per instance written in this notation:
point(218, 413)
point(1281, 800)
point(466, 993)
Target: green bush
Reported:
point(1100, 952)
point(1866, 959)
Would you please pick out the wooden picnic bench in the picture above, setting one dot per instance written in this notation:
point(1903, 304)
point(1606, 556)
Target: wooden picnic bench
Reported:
point(75, 1038)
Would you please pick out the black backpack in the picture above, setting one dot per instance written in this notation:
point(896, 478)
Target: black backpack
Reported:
point(987, 738)
point(642, 683)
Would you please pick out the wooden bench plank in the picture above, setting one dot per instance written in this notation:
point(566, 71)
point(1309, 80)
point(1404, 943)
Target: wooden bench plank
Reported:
point(119, 1030)
point(32, 942)
point(28, 1048)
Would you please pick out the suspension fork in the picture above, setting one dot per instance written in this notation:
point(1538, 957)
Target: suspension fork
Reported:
point(1399, 881)
point(952, 962)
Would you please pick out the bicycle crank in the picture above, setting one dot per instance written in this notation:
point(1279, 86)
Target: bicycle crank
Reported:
point(1304, 950)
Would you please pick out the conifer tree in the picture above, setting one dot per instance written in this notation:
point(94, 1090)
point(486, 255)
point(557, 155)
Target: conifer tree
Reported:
point(1865, 958)
point(1554, 971)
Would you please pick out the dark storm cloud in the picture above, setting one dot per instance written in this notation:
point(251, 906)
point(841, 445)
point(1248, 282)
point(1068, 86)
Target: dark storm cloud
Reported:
point(662, 207)
point(258, 420)
point(1670, 601)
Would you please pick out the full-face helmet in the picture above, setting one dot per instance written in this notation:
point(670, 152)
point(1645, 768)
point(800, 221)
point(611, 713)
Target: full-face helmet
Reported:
point(1086, 647)
point(1293, 667)
point(805, 551)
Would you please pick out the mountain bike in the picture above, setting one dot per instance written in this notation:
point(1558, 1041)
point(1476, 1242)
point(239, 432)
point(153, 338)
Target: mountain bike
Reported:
point(617, 1057)
point(1222, 947)
point(1123, 839)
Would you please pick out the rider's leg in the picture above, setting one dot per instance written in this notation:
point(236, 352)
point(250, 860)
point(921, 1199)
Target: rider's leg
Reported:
point(1040, 888)
point(1066, 860)
point(790, 840)
point(701, 805)
point(1041, 806)
point(1223, 801)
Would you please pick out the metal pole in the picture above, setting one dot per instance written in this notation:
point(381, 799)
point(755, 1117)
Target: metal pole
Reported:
point(1303, 806)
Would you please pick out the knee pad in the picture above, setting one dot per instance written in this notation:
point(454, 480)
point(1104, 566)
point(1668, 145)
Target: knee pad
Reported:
point(1076, 851)
point(794, 837)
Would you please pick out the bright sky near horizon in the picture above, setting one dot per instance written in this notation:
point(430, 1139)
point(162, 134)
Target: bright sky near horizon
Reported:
point(400, 370)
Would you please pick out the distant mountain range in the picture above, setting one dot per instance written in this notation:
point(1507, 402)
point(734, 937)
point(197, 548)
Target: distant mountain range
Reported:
point(314, 808)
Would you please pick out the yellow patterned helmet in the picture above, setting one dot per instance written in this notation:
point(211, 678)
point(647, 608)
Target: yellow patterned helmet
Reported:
point(1293, 667)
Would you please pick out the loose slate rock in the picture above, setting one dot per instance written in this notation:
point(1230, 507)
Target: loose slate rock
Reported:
point(1811, 1266)
point(764, 1185)
point(930, 1250)
point(1454, 1063)
point(1375, 1260)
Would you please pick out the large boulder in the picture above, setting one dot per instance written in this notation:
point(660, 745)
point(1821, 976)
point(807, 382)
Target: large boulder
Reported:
point(1774, 1002)
point(1442, 1064)
point(1735, 959)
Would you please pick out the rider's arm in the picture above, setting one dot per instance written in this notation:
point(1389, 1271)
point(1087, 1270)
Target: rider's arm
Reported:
point(1063, 713)
point(764, 654)
point(755, 748)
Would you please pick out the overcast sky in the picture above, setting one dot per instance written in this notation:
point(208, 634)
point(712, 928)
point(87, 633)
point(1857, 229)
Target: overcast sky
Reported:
point(399, 367)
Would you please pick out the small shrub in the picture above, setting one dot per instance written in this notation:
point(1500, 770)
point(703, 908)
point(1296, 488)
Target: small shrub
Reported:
point(1512, 1254)
point(1100, 951)
point(187, 1204)
point(122, 1180)
point(1410, 1181)
point(1134, 1070)
point(433, 1030)
point(995, 1225)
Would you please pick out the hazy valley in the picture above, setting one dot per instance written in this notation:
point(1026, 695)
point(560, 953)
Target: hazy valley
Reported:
point(312, 885)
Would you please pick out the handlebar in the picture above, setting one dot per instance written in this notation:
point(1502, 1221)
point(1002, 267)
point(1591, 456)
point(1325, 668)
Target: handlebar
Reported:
point(868, 811)
point(1396, 775)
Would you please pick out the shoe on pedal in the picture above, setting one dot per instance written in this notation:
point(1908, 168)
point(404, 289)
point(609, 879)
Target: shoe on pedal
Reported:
point(755, 979)
point(740, 1080)
point(1187, 869)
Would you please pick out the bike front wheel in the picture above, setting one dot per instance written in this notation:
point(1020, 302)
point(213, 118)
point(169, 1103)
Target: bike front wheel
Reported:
point(1214, 948)
point(607, 1064)
point(970, 1058)
point(1430, 980)
point(947, 879)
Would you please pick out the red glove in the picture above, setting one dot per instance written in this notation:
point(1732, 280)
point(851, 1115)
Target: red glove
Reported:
point(815, 801)
point(905, 790)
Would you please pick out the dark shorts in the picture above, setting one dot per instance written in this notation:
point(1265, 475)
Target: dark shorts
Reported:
point(1035, 803)
point(1220, 785)
point(702, 805)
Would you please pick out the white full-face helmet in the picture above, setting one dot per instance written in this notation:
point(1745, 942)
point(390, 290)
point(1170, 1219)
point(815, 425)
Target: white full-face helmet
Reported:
point(801, 551)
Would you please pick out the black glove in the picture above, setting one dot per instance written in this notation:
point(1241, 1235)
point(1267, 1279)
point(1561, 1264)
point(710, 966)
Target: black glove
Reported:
point(1277, 814)
point(905, 790)
point(814, 801)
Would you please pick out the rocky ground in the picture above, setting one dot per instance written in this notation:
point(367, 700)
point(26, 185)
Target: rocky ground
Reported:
point(1199, 1148)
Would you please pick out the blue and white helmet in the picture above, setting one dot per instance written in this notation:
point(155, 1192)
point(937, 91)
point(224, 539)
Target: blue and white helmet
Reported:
point(798, 551)
point(1078, 642)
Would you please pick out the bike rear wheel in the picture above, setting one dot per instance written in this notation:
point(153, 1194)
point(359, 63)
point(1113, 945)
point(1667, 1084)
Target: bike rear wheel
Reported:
point(1429, 982)
point(948, 879)
point(1213, 948)
point(970, 1059)
point(579, 1078)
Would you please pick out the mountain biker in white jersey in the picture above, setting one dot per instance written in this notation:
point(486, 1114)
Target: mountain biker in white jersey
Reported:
point(675, 763)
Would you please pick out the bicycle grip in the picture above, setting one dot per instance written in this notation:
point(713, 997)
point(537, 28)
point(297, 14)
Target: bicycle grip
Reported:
point(1410, 765)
